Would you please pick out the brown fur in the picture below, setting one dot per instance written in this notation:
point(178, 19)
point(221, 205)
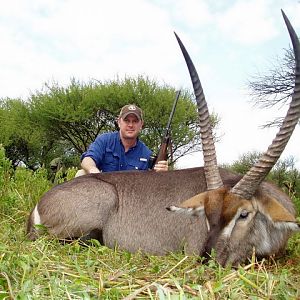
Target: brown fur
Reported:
point(129, 208)
point(238, 226)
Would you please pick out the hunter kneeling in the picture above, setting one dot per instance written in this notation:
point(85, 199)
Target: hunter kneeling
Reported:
point(120, 150)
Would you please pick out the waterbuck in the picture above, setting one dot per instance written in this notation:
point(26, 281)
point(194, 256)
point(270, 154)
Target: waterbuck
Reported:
point(225, 211)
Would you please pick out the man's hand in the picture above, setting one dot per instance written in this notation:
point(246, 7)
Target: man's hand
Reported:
point(161, 166)
point(89, 165)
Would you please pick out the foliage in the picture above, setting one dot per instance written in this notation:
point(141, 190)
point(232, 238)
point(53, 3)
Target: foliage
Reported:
point(5, 171)
point(284, 174)
point(20, 188)
point(244, 162)
point(48, 269)
point(62, 121)
point(24, 141)
point(63, 175)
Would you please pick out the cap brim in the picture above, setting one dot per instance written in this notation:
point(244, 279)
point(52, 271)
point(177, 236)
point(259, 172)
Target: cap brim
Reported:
point(131, 113)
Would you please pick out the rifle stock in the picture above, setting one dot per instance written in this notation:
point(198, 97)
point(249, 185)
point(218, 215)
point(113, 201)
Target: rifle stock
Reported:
point(163, 150)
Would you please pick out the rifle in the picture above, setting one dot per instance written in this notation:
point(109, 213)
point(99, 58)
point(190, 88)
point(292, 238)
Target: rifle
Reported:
point(163, 153)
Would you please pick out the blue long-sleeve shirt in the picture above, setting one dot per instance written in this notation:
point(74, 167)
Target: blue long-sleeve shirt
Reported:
point(109, 154)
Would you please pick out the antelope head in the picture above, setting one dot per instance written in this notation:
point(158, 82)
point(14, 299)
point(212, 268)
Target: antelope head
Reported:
point(250, 215)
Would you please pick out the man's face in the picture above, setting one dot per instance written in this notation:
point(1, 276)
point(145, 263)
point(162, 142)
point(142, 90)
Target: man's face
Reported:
point(130, 126)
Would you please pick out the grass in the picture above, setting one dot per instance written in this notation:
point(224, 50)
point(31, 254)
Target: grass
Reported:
point(47, 269)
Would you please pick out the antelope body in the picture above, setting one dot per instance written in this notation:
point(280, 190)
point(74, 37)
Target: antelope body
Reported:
point(129, 209)
point(214, 208)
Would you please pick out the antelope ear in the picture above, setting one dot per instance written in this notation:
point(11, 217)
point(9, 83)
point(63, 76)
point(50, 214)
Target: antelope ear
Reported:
point(192, 206)
point(195, 201)
point(276, 211)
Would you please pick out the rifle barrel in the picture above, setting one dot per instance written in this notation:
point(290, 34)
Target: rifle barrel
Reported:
point(162, 153)
point(172, 111)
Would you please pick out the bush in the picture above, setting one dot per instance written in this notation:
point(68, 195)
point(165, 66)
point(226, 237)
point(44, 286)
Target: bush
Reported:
point(20, 188)
point(5, 170)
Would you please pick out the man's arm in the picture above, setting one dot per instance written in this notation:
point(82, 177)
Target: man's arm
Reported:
point(89, 165)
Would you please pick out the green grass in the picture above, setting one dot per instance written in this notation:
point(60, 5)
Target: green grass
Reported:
point(47, 269)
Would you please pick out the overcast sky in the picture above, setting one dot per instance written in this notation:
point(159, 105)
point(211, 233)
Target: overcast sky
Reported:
point(229, 41)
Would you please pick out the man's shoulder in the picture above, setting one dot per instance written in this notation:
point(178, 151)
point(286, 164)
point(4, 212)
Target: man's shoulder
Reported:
point(108, 136)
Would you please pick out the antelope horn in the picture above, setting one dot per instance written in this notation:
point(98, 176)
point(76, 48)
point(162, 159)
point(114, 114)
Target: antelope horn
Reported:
point(212, 174)
point(247, 186)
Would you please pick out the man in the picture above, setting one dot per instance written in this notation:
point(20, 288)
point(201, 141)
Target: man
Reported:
point(122, 150)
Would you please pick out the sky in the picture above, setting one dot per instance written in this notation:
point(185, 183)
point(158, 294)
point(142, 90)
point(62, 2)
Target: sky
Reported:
point(44, 41)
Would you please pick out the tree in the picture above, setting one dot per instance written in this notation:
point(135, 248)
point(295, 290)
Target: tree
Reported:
point(76, 114)
point(62, 121)
point(22, 140)
point(276, 86)
point(245, 162)
point(284, 174)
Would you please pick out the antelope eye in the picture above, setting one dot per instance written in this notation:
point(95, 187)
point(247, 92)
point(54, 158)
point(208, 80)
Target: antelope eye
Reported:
point(244, 214)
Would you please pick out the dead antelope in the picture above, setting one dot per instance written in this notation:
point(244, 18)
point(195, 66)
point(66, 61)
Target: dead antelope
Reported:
point(224, 211)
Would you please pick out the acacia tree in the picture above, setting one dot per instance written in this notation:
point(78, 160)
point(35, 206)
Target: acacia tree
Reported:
point(76, 114)
point(276, 86)
point(23, 140)
point(62, 121)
